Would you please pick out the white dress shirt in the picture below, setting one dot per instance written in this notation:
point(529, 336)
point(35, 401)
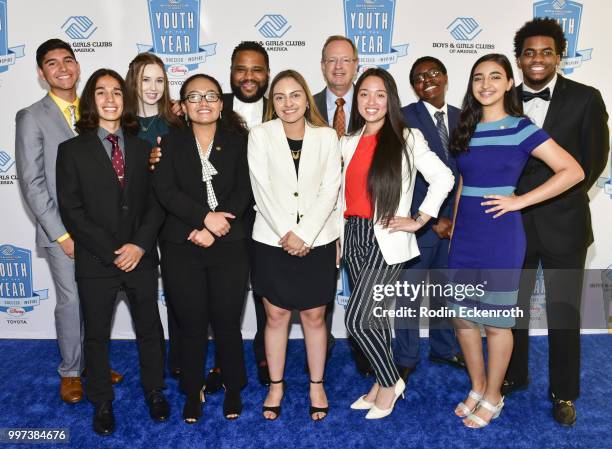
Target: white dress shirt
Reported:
point(536, 109)
point(331, 98)
point(250, 112)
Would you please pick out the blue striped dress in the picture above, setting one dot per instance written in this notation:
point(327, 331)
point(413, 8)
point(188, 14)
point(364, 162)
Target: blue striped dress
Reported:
point(488, 251)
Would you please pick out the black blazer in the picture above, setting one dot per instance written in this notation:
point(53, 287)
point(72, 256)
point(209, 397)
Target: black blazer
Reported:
point(576, 120)
point(100, 215)
point(181, 191)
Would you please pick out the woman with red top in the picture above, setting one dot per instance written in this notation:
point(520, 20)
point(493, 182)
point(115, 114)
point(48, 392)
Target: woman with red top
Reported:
point(381, 156)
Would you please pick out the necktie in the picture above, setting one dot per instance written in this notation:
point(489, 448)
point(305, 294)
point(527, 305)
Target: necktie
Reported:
point(339, 118)
point(528, 96)
point(72, 111)
point(442, 131)
point(117, 158)
point(208, 171)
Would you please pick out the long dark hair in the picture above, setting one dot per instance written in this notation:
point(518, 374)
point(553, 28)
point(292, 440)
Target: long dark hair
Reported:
point(88, 112)
point(385, 175)
point(228, 120)
point(133, 81)
point(312, 115)
point(471, 110)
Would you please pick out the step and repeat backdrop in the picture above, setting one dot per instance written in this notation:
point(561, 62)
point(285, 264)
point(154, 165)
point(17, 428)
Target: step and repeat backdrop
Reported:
point(199, 36)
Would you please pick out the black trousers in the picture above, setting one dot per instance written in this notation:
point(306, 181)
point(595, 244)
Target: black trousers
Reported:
point(563, 277)
point(97, 297)
point(207, 286)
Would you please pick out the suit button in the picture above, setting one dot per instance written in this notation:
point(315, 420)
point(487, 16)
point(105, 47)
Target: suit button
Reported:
point(124, 207)
point(301, 215)
point(295, 194)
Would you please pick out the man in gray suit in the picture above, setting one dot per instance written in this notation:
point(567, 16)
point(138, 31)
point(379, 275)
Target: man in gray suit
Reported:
point(40, 128)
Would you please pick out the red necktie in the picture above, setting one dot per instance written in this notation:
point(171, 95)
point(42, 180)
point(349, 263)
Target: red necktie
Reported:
point(117, 157)
point(339, 118)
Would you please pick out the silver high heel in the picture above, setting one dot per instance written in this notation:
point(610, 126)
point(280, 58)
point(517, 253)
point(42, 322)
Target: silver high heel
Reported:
point(480, 423)
point(464, 408)
point(378, 413)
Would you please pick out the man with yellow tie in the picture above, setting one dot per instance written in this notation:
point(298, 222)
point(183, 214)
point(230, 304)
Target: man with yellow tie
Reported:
point(40, 128)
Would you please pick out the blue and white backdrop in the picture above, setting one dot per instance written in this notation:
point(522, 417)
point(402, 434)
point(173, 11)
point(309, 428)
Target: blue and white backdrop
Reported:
point(199, 35)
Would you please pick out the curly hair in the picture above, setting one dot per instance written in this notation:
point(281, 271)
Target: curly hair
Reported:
point(251, 46)
point(541, 26)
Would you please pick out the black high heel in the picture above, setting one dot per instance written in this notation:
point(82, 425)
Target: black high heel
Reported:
point(276, 409)
point(314, 409)
point(232, 404)
point(192, 410)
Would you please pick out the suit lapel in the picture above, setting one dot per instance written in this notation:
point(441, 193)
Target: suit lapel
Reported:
point(282, 153)
point(101, 156)
point(57, 117)
point(130, 161)
point(557, 103)
point(430, 131)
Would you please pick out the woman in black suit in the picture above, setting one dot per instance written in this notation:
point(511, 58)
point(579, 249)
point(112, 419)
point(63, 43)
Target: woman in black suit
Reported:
point(203, 183)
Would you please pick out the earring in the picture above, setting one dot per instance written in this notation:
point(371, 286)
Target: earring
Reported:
point(220, 115)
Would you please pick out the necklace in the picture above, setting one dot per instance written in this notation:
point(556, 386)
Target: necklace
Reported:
point(295, 154)
point(146, 128)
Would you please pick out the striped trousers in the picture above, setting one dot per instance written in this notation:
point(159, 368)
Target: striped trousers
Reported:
point(367, 268)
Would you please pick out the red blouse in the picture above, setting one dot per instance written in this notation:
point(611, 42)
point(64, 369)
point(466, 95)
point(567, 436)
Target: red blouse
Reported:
point(357, 200)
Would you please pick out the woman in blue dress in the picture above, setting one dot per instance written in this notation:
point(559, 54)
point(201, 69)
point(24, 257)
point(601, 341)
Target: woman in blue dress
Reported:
point(492, 143)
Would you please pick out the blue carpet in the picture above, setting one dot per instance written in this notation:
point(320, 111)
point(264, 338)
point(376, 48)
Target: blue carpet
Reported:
point(29, 398)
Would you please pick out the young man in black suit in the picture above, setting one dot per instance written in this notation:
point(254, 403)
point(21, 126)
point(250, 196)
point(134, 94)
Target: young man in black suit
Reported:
point(559, 230)
point(107, 204)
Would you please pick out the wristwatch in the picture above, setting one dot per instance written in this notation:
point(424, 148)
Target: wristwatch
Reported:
point(418, 218)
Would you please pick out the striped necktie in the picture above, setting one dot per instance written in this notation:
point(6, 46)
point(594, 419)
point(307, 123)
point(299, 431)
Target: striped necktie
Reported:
point(442, 132)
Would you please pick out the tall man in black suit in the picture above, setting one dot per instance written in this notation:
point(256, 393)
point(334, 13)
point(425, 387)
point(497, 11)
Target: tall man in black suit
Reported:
point(249, 77)
point(436, 120)
point(559, 230)
point(107, 204)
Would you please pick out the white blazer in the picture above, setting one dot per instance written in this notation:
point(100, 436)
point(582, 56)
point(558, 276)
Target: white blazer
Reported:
point(280, 195)
point(398, 247)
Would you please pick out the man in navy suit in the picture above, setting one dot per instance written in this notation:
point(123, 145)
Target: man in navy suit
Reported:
point(436, 120)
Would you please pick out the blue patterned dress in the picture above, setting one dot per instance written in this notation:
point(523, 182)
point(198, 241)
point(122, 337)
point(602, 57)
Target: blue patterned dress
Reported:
point(485, 250)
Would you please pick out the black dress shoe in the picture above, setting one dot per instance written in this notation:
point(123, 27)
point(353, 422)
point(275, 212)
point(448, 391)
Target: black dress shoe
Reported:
point(263, 374)
point(159, 409)
point(103, 419)
point(511, 386)
point(214, 381)
point(405, 371)
point(564, 412)
point(456, 360)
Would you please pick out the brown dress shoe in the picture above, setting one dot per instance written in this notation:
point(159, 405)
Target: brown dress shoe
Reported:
point(71, 390)
point(116, 377)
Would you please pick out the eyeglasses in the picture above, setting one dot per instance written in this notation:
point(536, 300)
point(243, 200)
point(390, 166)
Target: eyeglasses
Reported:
point(431, 73)
point(341, 61)
point(196, 97)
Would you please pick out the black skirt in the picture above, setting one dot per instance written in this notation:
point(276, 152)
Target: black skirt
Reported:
point(291, 282)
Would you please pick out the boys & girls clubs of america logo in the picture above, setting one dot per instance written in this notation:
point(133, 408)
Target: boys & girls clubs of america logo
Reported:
point(17, 295)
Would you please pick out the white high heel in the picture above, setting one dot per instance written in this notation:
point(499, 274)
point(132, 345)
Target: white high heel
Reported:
point(362, 404)
point(378, 413)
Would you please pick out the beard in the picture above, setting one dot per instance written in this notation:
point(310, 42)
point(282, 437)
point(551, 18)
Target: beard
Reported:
point(261, 90)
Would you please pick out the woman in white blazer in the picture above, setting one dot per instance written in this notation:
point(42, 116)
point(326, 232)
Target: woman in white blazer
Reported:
point(381, 156)
point(294, 164)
